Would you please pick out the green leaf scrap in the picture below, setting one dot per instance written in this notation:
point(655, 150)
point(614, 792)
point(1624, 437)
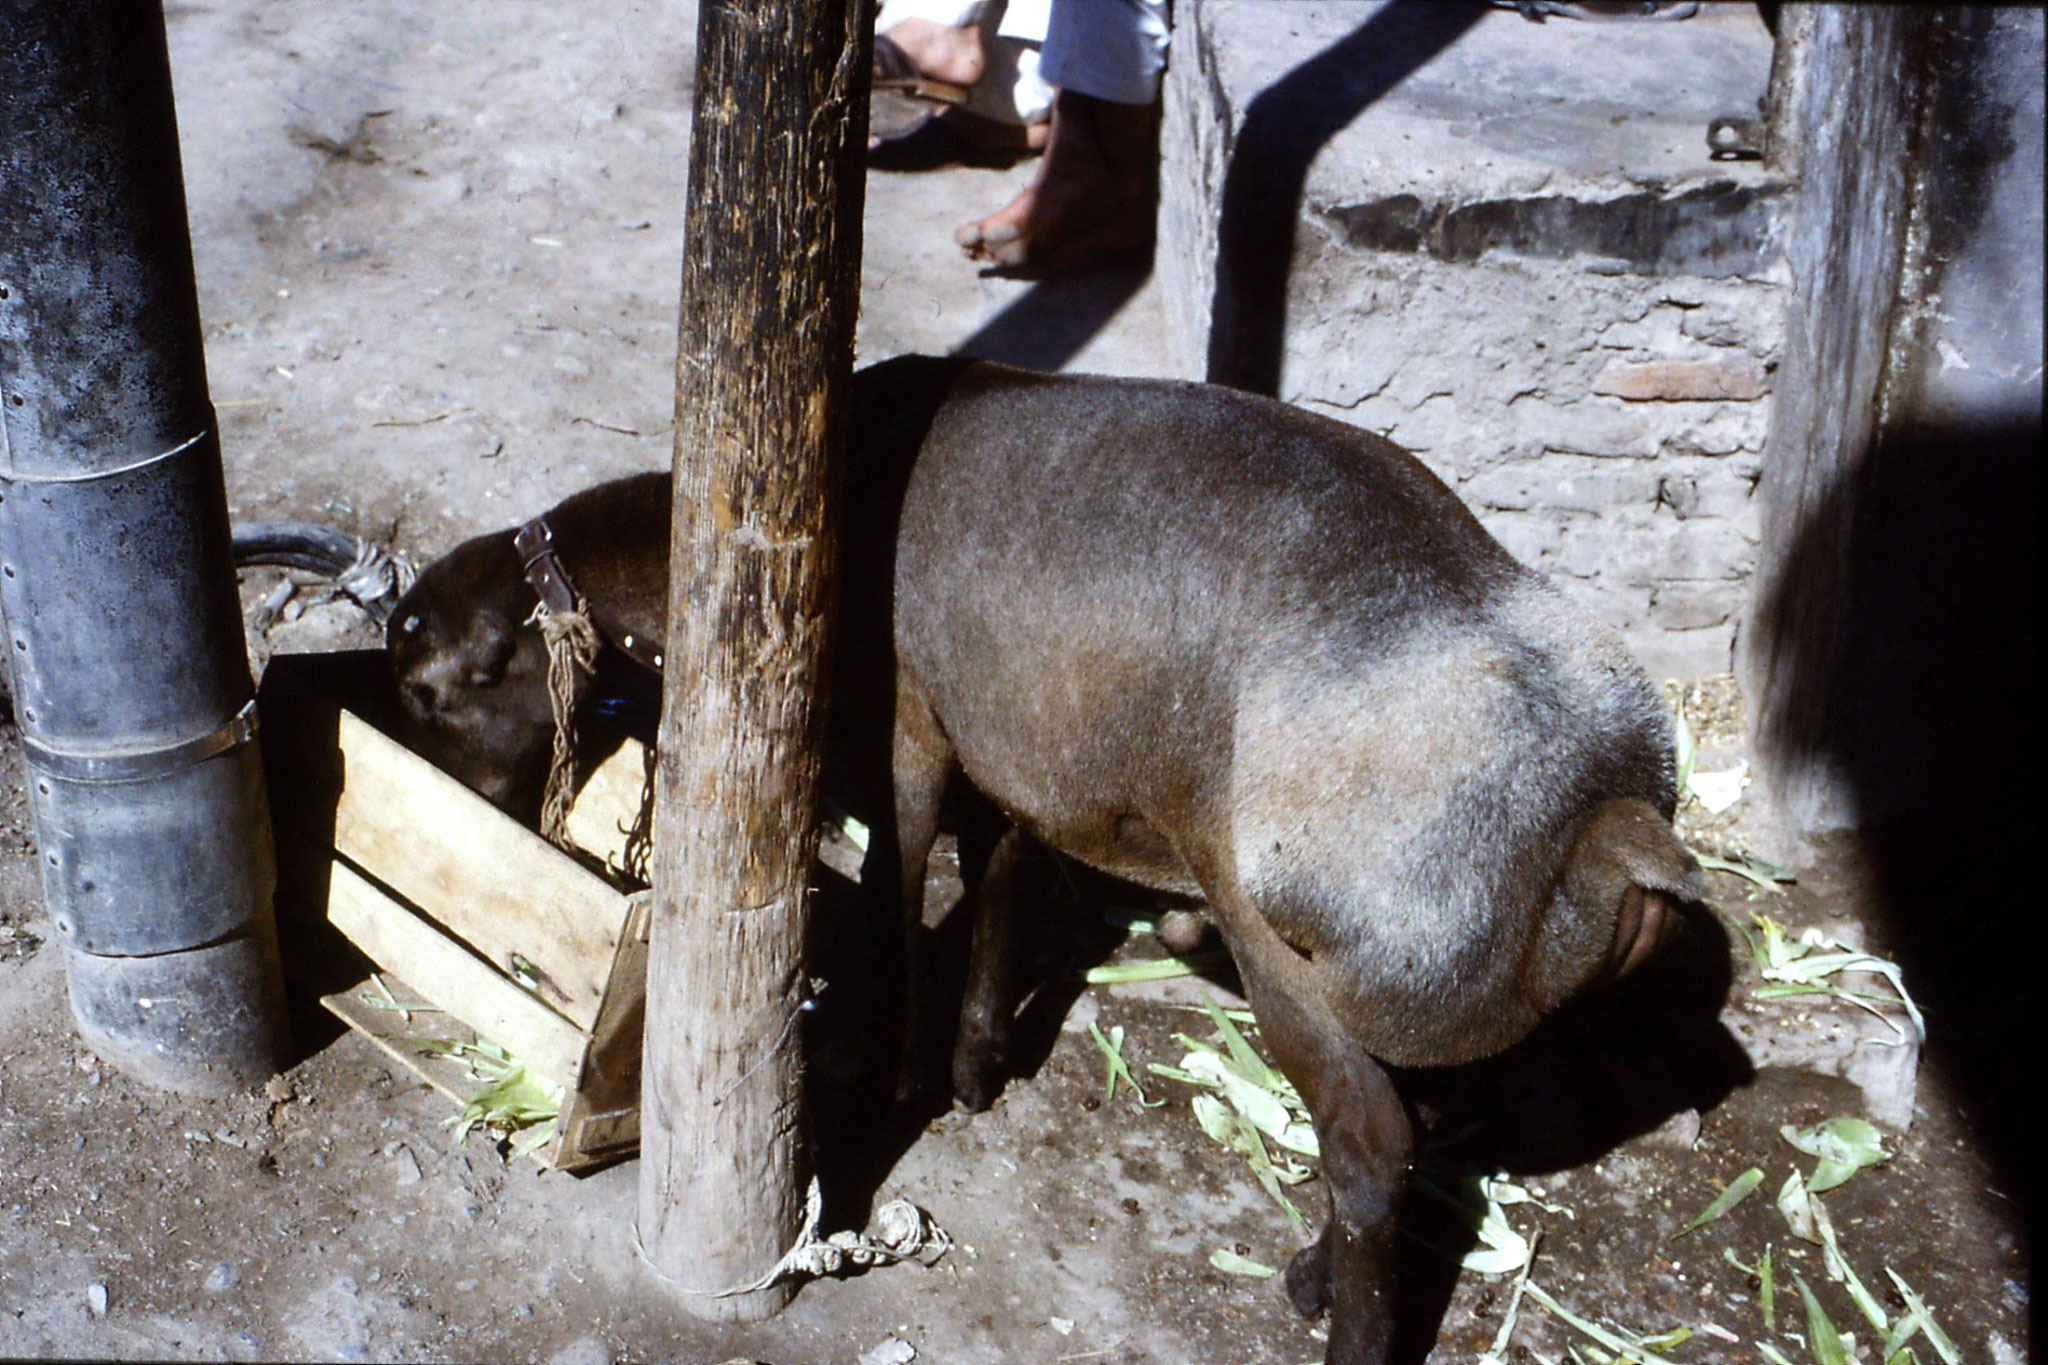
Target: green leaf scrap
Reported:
point(852, 830)
point(1501, 1249)
point(1798, 1208)
point(1894, 1347)
point(1751, 869)
point(1244, 1017)
point(1801, 970)
point(1503, 1191)
point(1841, 1272)
point(1496, 1354)
point(1244, 1139)
point(514, 1101)
point(1733, 1193)
point(1766, 1291)
point(1117, 1068)
point(1687, 748)
point(518, 1100)
point(1916, 1312)
point(1249, 1063)
point(1131, 921)
point(1624, 1345)
point(1668, 1341)
point(1844, 1146)
point(1156, 969)
point(532, 1140)
point(1822, 1340)
point(1257, 1105)
point(1230, 1263)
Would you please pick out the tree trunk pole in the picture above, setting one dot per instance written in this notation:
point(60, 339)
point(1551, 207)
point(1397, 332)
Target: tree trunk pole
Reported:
point(771, 285)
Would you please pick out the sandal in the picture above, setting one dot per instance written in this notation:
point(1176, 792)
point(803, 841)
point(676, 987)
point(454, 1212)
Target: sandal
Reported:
point(938, 141)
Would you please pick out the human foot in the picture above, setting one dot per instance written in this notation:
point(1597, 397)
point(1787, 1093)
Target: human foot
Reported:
point(1093, 194)
point(919, 50)
point(1052, 225)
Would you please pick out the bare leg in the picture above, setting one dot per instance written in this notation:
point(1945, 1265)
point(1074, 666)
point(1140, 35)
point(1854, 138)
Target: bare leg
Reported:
point(981, 1056)
point(1093, 193)
point(1362, 1127)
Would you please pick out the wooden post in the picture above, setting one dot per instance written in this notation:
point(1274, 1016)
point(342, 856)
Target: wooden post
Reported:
point(1846, 86)
point(770, 292)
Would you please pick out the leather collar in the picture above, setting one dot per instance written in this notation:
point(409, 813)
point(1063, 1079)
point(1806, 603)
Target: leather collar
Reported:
point(535, 543)
point(549, 577)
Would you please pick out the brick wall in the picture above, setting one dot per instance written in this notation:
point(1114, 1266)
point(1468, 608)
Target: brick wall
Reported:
point(1608, 428)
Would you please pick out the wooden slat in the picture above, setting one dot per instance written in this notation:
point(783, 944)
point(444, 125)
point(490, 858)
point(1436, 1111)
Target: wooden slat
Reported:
point(617, 798)
point(391, 1034)
point(606, 1134)
point(458, 981)
point(491, 881)
point(608, 1083)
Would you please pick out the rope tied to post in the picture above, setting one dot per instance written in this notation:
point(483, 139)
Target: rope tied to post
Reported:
point(903, 1232)
point(572, 644)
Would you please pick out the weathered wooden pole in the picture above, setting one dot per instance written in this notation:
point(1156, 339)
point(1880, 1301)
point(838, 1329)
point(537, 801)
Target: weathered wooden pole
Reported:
point(1846, 85)
point(771, 288)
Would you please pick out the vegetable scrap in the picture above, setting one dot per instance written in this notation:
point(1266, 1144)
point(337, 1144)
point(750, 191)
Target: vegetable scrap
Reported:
point(517, 1106)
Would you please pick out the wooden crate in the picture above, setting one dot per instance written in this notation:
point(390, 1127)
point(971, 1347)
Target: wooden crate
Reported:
point(459, 905)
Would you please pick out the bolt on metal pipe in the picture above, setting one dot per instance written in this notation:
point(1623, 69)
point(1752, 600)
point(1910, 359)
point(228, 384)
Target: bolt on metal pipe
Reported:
point(123, 629)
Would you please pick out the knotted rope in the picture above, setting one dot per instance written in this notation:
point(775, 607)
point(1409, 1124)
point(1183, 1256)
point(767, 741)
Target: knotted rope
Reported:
point(637, 851)
point(375, 577)
point(572, 645)
point(903, 1232)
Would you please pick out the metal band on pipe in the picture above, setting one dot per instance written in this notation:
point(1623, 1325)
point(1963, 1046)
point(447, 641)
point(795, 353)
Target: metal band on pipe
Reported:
point(12, 475)
point(133, 765)
point(124, 629)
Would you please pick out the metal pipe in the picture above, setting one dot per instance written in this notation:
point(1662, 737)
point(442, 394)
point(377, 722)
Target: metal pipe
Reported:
point(123, 628)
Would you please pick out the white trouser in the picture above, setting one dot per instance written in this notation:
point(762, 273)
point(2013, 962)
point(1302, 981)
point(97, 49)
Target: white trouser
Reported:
point(1011, 89)
point(1111, 49)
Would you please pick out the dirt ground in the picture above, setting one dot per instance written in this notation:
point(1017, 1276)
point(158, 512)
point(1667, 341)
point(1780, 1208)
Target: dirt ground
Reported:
point(437, 249)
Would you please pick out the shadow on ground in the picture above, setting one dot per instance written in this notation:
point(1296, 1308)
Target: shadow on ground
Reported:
point(1924, 703)
point(1610, 1067)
